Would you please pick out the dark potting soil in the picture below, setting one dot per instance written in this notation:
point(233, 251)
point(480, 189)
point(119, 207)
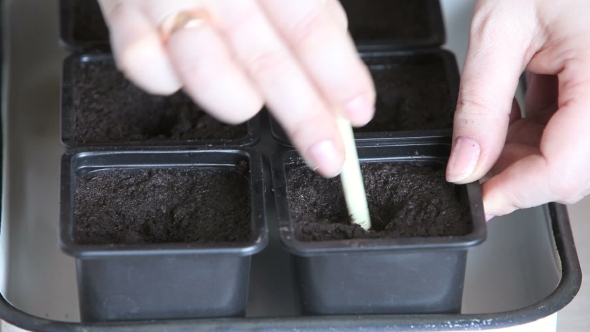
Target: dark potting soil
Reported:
point(88, 22)
point(412, 94)
point(109, 108)
point(405, 200)
point(164, 205)
point(388, 20)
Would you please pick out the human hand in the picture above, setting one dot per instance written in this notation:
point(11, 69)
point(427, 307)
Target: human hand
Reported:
point(232, 56)
point(544, 156)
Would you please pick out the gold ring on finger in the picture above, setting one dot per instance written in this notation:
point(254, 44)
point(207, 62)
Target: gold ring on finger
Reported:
point(185, 19)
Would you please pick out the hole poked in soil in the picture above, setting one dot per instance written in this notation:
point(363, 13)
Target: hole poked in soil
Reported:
point(405, 200)
point(388, 20)
point(413, 93)
point(109, 108)
point(88, 24)
point(163, 205)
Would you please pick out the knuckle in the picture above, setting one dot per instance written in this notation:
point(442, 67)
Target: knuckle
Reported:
point(576, 87)
point(268, 65)
point(567, 188)
point(237, 19)
point(482, 24)
point(515, 202)
point(494, 23)
point(473, 107)
point(200, 69)
point(500, 203)
point(308, 27)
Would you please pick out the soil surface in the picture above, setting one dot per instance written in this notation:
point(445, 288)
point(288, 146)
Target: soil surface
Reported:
point(88, 23)
point(163, 206)
point(405, 200)
point(412, 94)
point(388, 20)
point(109, 108)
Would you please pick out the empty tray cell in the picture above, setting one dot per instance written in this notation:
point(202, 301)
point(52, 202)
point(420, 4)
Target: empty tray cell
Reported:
point(414, 92)
point(416, 95)
point(389, 23)
point(82, 25)
point(395, 23)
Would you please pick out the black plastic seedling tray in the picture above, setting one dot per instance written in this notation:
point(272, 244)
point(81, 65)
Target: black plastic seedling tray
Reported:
point(551, 303)
point(85, 96)
point(565, 291)
point(395, 24)
point(161, 280)
point(557, 299)
point(401, 102)
point(82, 26)
point(350, 275)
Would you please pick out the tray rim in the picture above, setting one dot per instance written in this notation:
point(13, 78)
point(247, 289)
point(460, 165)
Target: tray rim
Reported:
point(565, 291)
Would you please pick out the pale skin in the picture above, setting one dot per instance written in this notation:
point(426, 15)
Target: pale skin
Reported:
point(298, 59)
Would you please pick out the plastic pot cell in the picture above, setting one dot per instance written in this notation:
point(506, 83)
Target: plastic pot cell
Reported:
point(412, 261)
point(416, 96)
point(395, 23)
point(162, 234)
point(383, 23)
point(82, 26)
point(100, 107)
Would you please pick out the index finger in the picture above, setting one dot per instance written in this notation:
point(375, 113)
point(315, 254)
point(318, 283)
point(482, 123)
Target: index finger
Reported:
point(327, 54)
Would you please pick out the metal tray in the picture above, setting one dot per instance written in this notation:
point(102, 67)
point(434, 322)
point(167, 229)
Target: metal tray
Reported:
point(527, 269)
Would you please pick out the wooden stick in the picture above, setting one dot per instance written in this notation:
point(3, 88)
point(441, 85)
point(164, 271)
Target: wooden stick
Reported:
point(352, 179)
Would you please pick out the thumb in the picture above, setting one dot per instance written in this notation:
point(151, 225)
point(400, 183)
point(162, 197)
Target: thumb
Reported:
point(496, 57)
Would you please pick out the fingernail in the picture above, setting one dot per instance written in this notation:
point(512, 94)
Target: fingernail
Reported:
point(489, 217)
point(360, 108)
point(464, 158)
point(324, 158)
